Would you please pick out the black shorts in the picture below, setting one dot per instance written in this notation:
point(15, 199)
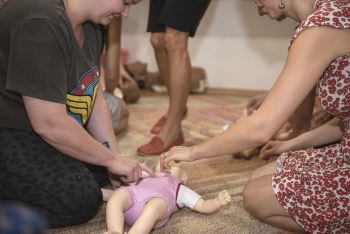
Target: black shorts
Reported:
point(183, 15)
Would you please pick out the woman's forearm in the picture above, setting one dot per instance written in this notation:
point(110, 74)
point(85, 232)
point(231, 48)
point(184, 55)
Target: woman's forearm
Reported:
point(68, 137)
point(64, 133)
point(325, 134)
point(100, 123)
point(246, 134)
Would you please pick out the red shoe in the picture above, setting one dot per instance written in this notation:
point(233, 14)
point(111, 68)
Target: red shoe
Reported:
point(156, 146)
point(158, 126)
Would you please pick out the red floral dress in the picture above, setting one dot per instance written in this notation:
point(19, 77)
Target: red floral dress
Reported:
point(313, 185)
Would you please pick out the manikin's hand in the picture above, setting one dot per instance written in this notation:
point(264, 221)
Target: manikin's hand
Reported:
point(224, 198)
point(273, 148)
point(176, 154)
point(128, 168)
point(254, 104)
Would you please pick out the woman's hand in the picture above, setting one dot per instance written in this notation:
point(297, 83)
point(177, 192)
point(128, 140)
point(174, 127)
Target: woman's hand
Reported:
point(128, 168)
point(176, 154)
point(275, 148)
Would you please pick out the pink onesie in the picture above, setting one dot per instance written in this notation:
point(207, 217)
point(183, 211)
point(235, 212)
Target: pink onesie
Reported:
point(163, 186)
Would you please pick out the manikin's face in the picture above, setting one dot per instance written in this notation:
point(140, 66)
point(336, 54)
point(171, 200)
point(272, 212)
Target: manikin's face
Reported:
point(270, 8)
point(106, 10)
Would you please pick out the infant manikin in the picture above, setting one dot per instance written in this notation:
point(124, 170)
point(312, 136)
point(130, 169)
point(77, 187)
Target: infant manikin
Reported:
point(150, 202)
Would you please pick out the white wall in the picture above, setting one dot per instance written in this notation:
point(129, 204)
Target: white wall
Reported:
point(238, 48)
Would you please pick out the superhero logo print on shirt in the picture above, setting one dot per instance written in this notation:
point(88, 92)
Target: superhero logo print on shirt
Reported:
point(81, 99)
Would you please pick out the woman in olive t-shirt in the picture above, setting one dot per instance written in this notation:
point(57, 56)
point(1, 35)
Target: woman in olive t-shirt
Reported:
point(53, 117)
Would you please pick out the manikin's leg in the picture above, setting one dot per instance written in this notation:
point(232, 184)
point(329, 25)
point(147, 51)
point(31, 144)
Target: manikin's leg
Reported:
point(179, 67)
point(265, 206)
point(153, 211)
point(117, 204)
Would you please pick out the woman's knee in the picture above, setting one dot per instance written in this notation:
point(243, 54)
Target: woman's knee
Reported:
point(260, 200)
point(267, 169)
point(75, 209)
point(249, 198)
point(256, 196)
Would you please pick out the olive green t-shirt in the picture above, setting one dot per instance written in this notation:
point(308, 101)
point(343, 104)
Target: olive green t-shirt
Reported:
point(40, 58)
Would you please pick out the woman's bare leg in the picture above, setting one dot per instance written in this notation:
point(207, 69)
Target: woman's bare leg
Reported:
point(265, 205)
point(179, 71)
point(267, 169)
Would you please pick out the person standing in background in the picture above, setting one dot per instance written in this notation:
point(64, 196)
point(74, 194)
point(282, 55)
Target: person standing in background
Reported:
point(171, 23)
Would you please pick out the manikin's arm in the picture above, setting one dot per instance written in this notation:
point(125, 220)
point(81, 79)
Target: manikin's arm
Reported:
point(212, 205)
point(116, 205)
point(190, 198)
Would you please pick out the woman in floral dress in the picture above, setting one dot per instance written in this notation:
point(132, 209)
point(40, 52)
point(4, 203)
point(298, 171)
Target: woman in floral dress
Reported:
point(305, 190)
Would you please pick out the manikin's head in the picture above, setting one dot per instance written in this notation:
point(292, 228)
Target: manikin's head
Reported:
point(176, 171)
point(179, 173)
